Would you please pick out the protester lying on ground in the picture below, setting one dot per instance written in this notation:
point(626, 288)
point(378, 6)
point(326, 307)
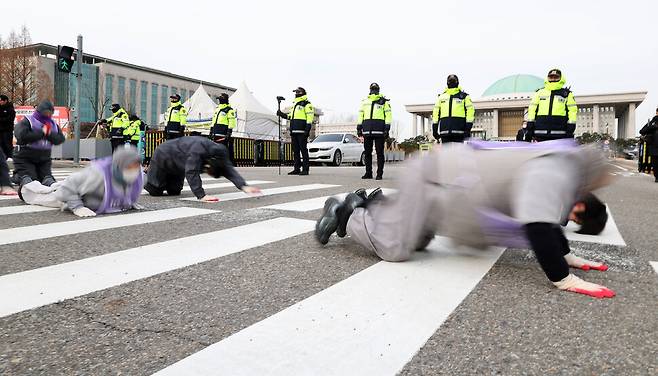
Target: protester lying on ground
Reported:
point(183, 158)
point(108, 185)
point(482, 194)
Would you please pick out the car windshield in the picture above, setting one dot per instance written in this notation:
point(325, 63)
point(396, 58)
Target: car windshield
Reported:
point(329, 138)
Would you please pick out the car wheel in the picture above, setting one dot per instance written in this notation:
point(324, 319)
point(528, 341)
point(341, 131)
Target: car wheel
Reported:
point(338, 158)
point(362, 161)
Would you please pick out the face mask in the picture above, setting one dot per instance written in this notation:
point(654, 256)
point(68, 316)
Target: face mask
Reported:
point(130, 176)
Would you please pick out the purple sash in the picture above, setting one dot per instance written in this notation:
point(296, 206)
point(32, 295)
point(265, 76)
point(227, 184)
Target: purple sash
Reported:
point(502, 230)
point(115, 200)
point(557, 145)
point(37, 125)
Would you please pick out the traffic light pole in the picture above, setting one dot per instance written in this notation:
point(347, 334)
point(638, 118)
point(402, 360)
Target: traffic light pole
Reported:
point(78, 95)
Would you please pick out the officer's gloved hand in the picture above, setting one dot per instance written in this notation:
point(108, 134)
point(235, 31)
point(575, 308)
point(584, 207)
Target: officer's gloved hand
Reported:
point(280, 113)
point(84, 212)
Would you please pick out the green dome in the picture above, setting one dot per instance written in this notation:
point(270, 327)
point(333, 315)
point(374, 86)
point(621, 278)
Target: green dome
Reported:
point(518, 83)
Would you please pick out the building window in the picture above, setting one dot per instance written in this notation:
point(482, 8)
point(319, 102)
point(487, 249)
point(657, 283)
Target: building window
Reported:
point(132, 105)
point(109, 83)
point(154, 104)
point(174, 90)
point(164, 97)
point(183, 95)
point(143, 95)
point(121, 92)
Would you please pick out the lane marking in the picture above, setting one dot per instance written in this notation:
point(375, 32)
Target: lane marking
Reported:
point(49, 230)
point(371, 323)
point(187, 188)
point(619, 167)
point(267, 192)
point(2, 198)
point(655, 265)
point(23, 209)
point(39, 287)
point(609, 235)
point(313, 203)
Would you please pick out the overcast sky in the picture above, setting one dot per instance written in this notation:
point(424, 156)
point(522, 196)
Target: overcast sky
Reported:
point(336, 48)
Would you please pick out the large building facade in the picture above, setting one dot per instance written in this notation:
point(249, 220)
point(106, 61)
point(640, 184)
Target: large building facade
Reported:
point(500, 111)
point(140, 90)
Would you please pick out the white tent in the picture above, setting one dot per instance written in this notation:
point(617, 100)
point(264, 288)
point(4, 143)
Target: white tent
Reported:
point(255, 121)
point(200, 109)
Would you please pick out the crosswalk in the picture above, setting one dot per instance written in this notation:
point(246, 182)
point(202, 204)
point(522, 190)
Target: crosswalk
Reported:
point(370, 323)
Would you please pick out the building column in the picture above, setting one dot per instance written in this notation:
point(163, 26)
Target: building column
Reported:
point(621, 120)
point(494, 124)
point(595, 119)
point(630, 121)
point(414, 125)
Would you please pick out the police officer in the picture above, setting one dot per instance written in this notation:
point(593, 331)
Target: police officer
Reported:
point(650, 136)
point(552, 113)
point(300, 118)
point(132, 133)
point(453, 113)
point(223, 123)
point(373, 125)
point(175, 118)
point(118, 122)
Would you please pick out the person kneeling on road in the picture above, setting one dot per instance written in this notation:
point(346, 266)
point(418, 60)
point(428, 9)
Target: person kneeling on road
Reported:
point(485, 194)
point(108, 185)
point(186, 158)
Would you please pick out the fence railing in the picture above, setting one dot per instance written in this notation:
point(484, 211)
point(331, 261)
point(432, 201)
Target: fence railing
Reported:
point(246, 152)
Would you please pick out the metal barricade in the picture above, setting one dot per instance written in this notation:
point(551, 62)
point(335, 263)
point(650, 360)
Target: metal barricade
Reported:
point(244, 150)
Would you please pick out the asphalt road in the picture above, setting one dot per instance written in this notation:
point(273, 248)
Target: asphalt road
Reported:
point(512, 323)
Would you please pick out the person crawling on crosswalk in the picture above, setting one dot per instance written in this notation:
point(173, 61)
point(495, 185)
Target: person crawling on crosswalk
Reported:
point(485, 194)
point(186, 158)
point(108, 185)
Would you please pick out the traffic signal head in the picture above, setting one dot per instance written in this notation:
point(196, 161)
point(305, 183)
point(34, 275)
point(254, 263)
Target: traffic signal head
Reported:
point(65, 58)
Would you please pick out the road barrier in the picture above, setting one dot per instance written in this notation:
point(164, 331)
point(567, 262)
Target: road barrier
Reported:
point(246, 152)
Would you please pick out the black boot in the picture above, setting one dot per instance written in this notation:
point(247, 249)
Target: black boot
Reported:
point(375, 195)
point(361, 192)
point(378, 177)
point(304, 172)
point(328, 223)
point(367, 176)
point(294, 172)
point(352, 201)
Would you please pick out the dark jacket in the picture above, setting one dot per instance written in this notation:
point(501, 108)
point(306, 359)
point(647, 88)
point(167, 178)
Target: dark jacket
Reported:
point(523, 135)
point(26, 135)
point(7, 116)
point(187, 156)
point(650, 133)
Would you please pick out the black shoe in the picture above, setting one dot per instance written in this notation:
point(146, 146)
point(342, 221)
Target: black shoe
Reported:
point(328, 223)
point(378, 177)
point(376, 194)
point(345, 210)
point(366, 176)
point(303, 173)
point(294, 172)
point(361, 192)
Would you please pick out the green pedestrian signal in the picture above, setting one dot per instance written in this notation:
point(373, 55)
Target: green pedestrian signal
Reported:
point(65, 58)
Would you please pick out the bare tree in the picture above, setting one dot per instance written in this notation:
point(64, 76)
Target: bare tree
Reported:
point(9, 69)
point(19, 78)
